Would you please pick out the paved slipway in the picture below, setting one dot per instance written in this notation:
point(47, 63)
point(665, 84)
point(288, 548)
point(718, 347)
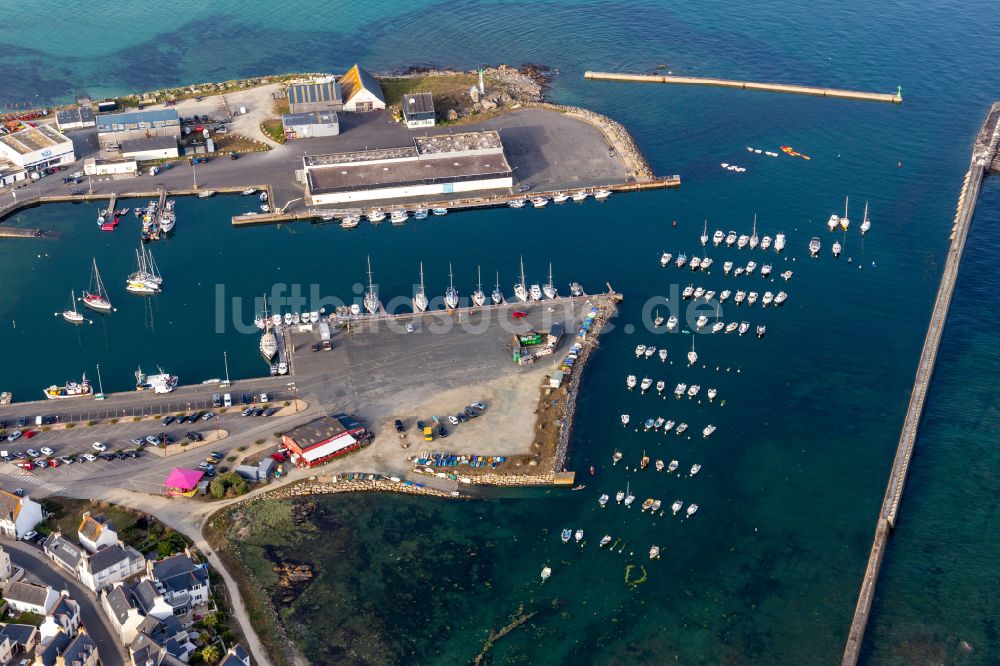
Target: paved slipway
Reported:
point(33, 561)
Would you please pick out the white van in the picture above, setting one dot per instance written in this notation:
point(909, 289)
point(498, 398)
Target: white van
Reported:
point(227, 400)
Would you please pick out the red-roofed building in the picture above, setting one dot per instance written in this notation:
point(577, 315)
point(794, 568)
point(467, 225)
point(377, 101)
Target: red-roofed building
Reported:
point(324, 439)
point(182, 482)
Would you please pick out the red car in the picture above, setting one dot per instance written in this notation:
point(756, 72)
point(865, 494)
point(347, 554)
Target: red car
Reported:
point(28, 434)
point(26, 465)
point(277, 457)
point(517, 314)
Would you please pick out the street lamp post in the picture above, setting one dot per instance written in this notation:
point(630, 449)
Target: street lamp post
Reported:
point(100, 384)
point(225, 359)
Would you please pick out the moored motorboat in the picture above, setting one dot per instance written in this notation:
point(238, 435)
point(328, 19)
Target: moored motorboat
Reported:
point(814, 246)
point(744, 327)
point(665, 259)
point(517, 203)
point(787, 275)
point(681, 428)
point(630, 381)
point(718, 237)
point(688, 291)
point(752, 298)
point(731, 238)
point(625, 420)
point(603, 500)
point(761, 330)
point(672, 467)
point(692, 509)
point(677, 506)
point(420, 214)
point(439, 211)
point(70, 389)
point(566, 535)
point(616, 458)
point(681, 260)
point(602, 194)
point(695, 469)
point(645, 384)
point(765, 242)
point(780, 298)
point(546, 573)
point(581, 195)
point(693, 390)
point(539, 202)
point(712, 393)
point(663, 354)
point(742, 241)
point(399, 216)
point(695, 263)
point(206, 194)
point(699, 291)
point(726, 267)
point(605, 540)
point(731, 326)
point(692, 355)
point(767, 298)
point(708, 430)
point(680, 389)
point(659, 465)
point(706, 263)
point(671, 322)
point(650, 351)
point(836, 248)
point(779, 242)
point(640, 350)
point(724, 296)
point(660, 385)
point(375, 215)
point(578, 535)
point(560, 197)
point(765, 270)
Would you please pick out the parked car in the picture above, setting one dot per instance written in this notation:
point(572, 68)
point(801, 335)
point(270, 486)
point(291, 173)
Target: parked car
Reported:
point(270, 411)
point(245, 399)
point(208, 415)
point(19, 492)
point(217, 400)
point(89, 457)
point(428, 434)
point(99, 446)
point(278, 457)
point(13, 436)
point(28, 434)
point(138, 441)
point(218, 454)
point(441, 431)
point(264, 398)
point(32, 453)
point(479, 405)
point(151, 439)
point(399, 426)
point(30, 535)
point(258, 411)
point(195, 436)
point(66, 460)
point(26, 465)
point(471, 412)
point(167, 420)
point(181, 419)
point(247, 412)
point(453, 420)
point(47, 451)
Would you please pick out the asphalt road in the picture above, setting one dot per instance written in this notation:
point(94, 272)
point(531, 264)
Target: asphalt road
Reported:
point(37, 566)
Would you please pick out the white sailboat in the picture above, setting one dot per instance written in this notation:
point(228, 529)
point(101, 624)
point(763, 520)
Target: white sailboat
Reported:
point(479, 296)
point(549, 289)
point(71, 315)
point(497, 295)
point(844, 222)
point(372, 304)
point(704, 234)
point(692, 355)
point(420, 297)
point(754, 241)
point(520, 290)
point(451, 294)
point(143, 281)
point(866, 223)
point(96, 296)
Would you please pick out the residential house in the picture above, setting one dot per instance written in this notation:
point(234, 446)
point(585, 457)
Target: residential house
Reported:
point(153, 602)
point(6, 570)
point(16, 640)
point(64, 617)
point(101, 569)
point(123, 613)
point(160, 642)
point(30, 598)
point(235, 656)
point(64, 650)
point(18, 515)
point(182, 583)
point(95, 532)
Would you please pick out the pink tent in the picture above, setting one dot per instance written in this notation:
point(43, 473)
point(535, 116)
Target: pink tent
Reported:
point(183, 481)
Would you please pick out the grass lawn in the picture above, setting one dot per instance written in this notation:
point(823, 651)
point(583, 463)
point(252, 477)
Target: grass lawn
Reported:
point(133, 528)
point(448, 91)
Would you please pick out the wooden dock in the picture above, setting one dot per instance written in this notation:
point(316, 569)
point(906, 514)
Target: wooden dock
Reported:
point(896, 98)
point(983, 154)
point(491, 201)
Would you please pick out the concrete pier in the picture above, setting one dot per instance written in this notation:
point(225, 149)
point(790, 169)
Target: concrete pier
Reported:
point(983, 153)
point(895, 98)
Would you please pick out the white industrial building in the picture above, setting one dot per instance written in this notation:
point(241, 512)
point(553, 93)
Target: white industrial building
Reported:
point(113, 129)
point(311, 124)
point(121, 168)
point(433, 165)
point(10, 173)
point(36, 148)
point(360, 90)
point(150, 148)
point(75, 118)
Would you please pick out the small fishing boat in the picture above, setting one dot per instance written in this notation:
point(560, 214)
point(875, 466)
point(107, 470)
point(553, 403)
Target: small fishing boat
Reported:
point(616, 457)
point(780, 298)
point(665, 259)
point(640, 350)
point(695, 469)
point(779, 242)
point(581, 195)
point(671, 323)
point(814, 246)
point(761, 330)
point(718, 237)
point(712, 393)
point(566, 535)
point(663, 354)
point(249, 191)
point(681, 428)
point(517, 203)
point(644, 462)
point(692, 509)
point(677, 506)
point(420, 214)
point(659, 465)
point(605, 540)
point(744, 327)
point(399, 216)
point(625, 420)
point(726, 267)
point(546, 573)
point(79, 389)
point(660, 385)
point(708, 430)
point(680, 389)
point(668, 426)
point(654, 552)
point(602, 194)
point(631, 381)
point(731, 326)
point(656, 505)
point(603, 500)
point(578, 536)
point(647, 504)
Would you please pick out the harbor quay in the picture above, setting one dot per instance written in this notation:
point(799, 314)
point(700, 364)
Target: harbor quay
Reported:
point(547, 151)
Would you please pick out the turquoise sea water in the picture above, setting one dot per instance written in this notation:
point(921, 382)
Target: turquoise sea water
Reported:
point(768, 570)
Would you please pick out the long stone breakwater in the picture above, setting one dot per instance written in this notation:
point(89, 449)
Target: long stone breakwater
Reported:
point(983, 153)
